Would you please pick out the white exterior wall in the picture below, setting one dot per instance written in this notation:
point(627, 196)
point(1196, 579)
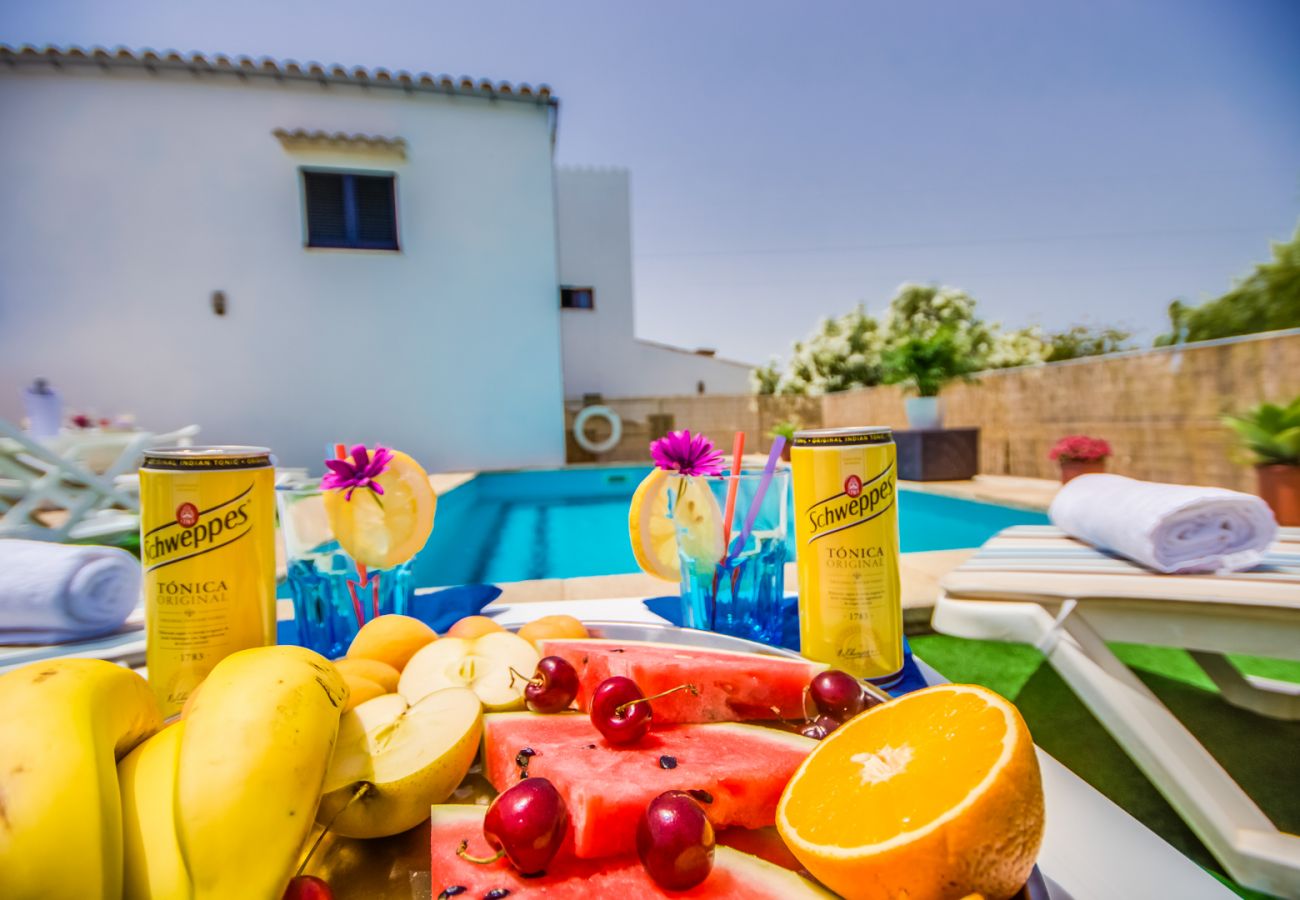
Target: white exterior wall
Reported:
point(601, 352)
point(130, 197)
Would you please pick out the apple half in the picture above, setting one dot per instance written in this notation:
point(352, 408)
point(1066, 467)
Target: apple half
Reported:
point(407, 756)
point(482, 664)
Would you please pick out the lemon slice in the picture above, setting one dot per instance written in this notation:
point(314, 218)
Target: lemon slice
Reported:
point(381, 531)
point(654, 534)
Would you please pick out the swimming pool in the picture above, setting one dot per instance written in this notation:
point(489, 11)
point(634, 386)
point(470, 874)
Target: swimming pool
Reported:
point(573, 522)
point(564, 523)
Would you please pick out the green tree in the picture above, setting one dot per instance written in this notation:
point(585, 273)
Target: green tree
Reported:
point(1265, 300)
point(1079, 340)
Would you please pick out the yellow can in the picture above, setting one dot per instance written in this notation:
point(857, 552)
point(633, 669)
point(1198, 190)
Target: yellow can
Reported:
point(846, 533)
point(207, 543)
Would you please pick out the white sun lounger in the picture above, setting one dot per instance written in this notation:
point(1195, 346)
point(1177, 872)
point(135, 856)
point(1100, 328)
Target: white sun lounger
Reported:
point(1034, 585)
point(36, 475)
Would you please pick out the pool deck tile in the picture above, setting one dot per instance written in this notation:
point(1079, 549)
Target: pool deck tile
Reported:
point(1007, 490)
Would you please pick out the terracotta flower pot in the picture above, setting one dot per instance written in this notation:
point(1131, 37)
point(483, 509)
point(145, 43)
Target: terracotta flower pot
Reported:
point(785, 451)
point(1073, 468)
point(1279, 485)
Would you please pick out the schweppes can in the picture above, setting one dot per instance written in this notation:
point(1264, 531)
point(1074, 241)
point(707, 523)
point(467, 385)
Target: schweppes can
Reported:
point(207, 543)
point(846, 532)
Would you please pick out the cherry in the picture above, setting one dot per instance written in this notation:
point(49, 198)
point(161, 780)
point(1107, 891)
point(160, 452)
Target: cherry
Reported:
point(308, 887)
point(674, 839)
point(526, 824)
point(621, 712)
point(837, 694)
point(553, 687)
point(616, 712)
point(820, 727)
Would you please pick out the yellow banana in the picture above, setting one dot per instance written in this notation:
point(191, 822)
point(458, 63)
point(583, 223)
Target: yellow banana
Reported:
point(256, 746)
point(64, 724)
point(152, 865)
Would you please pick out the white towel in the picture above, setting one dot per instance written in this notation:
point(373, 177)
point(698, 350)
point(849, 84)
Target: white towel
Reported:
point(51, 593)
point(1167, 527)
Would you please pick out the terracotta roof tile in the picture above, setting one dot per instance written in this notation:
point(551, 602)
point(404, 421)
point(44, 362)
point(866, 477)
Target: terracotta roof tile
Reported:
point(151, 60)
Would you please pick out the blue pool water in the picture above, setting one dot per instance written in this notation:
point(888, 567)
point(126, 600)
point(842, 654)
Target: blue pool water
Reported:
point(512, 526)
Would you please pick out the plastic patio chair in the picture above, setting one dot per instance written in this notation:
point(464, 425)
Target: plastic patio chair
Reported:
point(1033, 584)
point(36, 476)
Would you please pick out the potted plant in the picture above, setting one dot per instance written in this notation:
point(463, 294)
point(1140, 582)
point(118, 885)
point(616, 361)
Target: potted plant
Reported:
point(785, 430)
point(1079, 454)
point(1272, 433)
point(926, 364)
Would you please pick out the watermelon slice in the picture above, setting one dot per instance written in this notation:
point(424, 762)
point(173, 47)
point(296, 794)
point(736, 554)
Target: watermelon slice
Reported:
point(741, 769)
point(733, 687)
point(734, 874)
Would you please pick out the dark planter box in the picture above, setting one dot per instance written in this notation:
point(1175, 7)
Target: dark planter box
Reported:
point(938, 454)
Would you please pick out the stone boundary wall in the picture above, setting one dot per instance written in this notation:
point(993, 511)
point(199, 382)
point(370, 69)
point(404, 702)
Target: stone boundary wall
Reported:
point(1159, 409)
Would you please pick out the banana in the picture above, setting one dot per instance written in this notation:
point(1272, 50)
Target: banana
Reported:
point(64, 724)
point(152, 865)
point(253, 757)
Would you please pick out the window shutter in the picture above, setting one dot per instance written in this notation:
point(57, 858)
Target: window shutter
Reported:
point(326, 218)
point(376, 211)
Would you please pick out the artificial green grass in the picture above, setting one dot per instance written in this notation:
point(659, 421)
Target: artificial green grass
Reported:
point(1257, 751)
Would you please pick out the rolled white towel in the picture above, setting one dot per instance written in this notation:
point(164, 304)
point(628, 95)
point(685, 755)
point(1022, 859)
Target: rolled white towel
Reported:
point(1166, 527)
point(51, 593)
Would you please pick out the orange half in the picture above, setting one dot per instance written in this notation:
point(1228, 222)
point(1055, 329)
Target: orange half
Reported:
point(934, 796)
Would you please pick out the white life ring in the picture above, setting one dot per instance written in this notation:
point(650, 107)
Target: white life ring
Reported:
point(597, 412)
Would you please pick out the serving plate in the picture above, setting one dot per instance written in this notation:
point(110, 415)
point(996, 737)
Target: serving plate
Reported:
point(398, 866)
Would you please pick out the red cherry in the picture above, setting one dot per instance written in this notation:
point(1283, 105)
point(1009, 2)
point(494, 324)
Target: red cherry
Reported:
point(527, 823)
point(837, 694)
point(553, 687)
point(675, 841)
point(308, 887)
point(619, 710)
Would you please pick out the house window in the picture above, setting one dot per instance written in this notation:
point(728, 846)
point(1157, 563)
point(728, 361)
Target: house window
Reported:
point(577, 298)
point(353, 211)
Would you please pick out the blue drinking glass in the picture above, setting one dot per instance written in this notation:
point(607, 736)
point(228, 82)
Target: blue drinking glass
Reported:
point(323, 579)
point(737, 592)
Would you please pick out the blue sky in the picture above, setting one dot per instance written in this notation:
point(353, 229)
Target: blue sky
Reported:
point(1062, 161)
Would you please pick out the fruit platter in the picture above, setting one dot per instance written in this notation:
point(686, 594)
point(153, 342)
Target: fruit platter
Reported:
point(752, 762)
point(559, 760)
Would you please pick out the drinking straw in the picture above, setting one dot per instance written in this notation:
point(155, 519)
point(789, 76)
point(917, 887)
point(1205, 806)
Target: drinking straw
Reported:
point(737, 451)
point(340, 452)
point(769, 469)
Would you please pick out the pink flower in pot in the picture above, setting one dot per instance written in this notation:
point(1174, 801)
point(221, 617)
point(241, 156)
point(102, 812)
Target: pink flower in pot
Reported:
point(1079, 454)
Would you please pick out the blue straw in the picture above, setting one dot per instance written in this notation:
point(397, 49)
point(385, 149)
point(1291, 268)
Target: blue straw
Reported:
point(778, 444)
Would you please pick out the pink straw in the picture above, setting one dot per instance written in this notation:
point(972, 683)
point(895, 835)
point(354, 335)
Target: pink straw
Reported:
point(340, 452)
point(737, 452)
point(778, 444)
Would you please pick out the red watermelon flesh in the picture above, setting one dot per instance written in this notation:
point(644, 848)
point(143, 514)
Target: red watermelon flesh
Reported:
point(735, 874)
point(733, 687)
point(741, 768)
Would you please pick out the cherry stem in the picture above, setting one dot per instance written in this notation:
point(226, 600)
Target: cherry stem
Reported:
point(618, 710)
point(463, 852)
point(356, 795)
point(523, 677)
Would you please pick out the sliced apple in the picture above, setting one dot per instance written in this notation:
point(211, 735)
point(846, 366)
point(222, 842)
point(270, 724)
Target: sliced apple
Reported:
point(405, 756)
point(482, 664)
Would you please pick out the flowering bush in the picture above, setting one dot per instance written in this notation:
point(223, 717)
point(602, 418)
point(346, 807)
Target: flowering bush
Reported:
point(1081, 448)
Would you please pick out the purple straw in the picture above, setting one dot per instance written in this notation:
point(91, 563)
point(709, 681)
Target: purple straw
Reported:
point(778, 444)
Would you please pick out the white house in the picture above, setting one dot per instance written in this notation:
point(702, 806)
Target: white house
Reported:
point(602, 354)
point(294, 255)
